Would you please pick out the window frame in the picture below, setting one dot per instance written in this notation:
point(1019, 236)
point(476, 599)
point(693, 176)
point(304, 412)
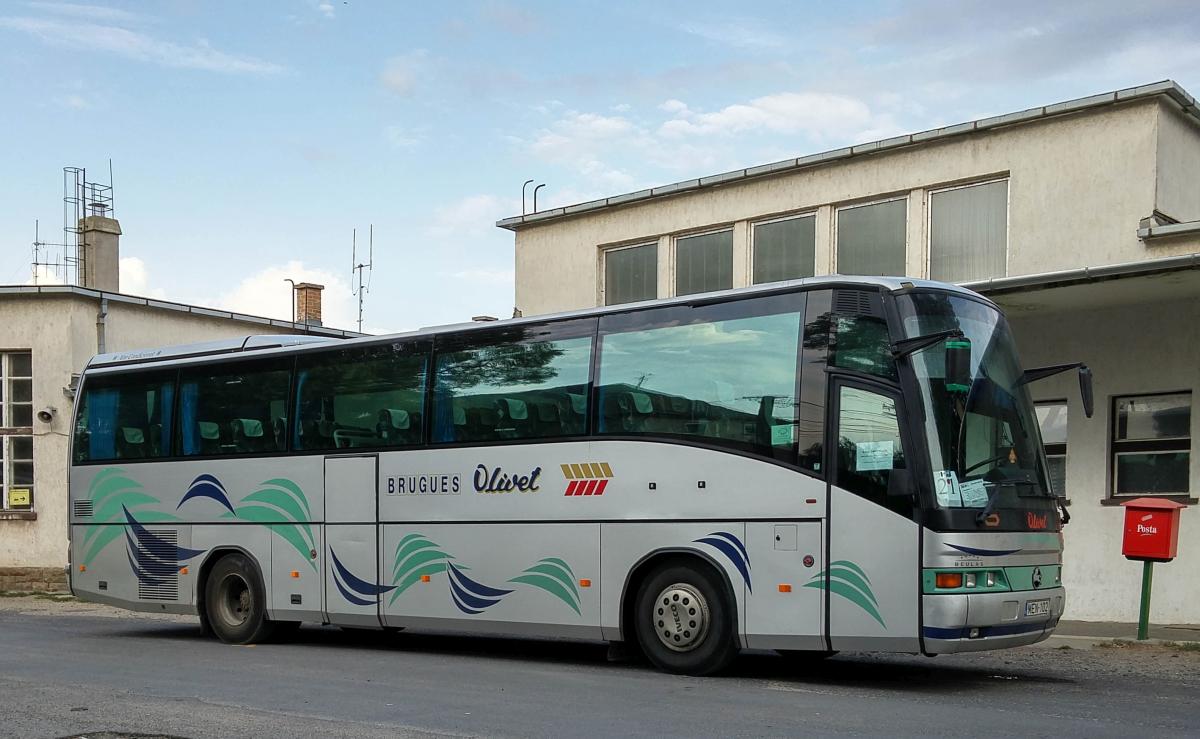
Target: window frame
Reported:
point(753, 225)
point(606, 250)
point(835, 246)
point(12, 432)
point(1007, 179)
point(177, 453)
point(1056, 449)
point(1168, 445)
point(708, 231)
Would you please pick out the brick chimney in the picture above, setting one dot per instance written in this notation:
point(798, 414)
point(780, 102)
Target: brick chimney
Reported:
point(101, 254)
point(308, 303)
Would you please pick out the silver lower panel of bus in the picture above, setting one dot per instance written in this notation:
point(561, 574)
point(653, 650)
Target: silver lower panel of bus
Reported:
point(960, 622)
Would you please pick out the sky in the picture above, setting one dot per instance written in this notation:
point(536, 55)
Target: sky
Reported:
point(248, 139)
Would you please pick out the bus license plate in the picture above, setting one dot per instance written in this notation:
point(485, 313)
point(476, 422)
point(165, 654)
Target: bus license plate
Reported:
point(1037, 607)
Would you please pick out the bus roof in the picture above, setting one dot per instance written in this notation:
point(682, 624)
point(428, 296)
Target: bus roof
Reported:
point(266, 344)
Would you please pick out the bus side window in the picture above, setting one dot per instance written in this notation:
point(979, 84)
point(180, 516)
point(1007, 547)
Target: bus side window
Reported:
point(523, 382)
point(233, 407)
point(722, 374)
point(869, 445)
point(361, 397)
point(125, 416)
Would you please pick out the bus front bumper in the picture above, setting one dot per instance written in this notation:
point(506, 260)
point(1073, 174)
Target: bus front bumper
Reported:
point(972, 622)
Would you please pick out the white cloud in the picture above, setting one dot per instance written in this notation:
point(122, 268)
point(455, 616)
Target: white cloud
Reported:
point(677, 107)
point(742, 33)
point(135, 45)
point(402, 74)
point(399, 137)
point(73, 101)
point(473, 215)
point(92, 12)
point(44, 274)
point(266, 293)
point(504, 277)
point(326, 9)
point(821, 116)
point(134, 278)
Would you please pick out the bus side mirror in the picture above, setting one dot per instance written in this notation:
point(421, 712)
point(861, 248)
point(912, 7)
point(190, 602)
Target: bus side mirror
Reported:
point(958, 365)
point(1085, 390)
point(900, 483)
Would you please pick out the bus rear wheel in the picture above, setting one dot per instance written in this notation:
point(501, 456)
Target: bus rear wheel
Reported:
point(235, 601)
point(684, 621)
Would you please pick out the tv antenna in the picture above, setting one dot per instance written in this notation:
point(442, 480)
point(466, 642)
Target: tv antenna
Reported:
point(358, 268)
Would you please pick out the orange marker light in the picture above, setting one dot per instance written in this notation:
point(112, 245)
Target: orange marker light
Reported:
point(83, 568)
point(949, 580)
point(585, 583)
point(183, 570)
point(424, 578)
point(810, 501)
point(296, 574)
point(785, 587)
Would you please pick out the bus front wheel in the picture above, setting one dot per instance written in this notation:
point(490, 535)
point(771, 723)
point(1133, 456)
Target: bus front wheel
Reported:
point(235, 601)
point(685, 621)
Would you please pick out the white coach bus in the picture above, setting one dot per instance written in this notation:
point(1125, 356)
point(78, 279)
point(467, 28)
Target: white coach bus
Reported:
point(813, 466)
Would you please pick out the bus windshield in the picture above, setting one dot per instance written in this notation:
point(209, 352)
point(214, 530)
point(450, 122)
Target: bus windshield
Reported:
point(984, 441)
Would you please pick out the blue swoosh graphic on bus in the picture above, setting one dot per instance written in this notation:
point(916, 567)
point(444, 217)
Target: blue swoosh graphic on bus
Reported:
point(731, 547)
point(469, 596)
point(346, 582)
point(207, 486)
point(152, 558)
point(983, 552)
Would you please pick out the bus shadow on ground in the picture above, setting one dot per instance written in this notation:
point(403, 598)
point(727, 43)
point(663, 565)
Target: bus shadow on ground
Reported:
point(900, 673)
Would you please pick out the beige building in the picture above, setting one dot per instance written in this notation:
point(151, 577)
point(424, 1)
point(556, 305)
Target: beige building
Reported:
point(1081, 219)
point(47, 334)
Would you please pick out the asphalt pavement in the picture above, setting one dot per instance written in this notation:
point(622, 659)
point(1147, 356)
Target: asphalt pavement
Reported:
point(69, 672)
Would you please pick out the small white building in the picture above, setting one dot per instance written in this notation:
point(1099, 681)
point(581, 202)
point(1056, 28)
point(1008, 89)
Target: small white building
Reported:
point(47, 335)
point(1081, 219)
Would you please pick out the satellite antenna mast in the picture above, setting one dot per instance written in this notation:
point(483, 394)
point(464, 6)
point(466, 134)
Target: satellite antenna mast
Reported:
point(358, 268)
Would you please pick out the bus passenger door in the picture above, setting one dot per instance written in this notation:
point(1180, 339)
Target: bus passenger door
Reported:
point(351, 592)
point(872, 575)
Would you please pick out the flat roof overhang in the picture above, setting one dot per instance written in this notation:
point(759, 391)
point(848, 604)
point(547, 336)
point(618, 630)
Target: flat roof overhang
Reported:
point(1162, 280)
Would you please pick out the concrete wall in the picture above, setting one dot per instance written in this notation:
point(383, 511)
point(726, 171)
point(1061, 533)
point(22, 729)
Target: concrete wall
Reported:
point(61, 332)
point(1079, 184)
point(1177, 184)
point(1131, 349)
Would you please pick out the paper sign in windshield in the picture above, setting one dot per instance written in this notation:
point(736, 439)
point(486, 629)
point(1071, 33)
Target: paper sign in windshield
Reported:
point(974, 493)
point(945, 486)
point(873, 455)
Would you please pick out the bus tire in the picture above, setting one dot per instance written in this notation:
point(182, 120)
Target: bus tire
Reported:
point(684, 620)
point(235, 601)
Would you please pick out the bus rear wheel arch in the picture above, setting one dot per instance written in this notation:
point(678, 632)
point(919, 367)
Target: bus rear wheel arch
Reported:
point(234, 608)
point(683, 616)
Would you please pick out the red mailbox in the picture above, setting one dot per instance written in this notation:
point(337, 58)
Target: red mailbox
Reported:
point(1151, 529)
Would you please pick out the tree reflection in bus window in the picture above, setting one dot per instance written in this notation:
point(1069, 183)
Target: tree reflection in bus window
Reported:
point(729, 382)
point(512, 388)
point(869, 445)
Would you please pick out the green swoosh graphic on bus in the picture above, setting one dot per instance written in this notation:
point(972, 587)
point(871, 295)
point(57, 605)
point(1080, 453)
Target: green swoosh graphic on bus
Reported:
point(852, 583)
point(555, 577)
point(281, 505)
point(418, 556)
point(111, 491)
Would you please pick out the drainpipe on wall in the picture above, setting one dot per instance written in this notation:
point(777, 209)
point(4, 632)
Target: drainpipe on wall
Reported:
point(102, 325)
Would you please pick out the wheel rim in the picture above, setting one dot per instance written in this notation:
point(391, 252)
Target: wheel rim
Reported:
point(680, 617)
point(235, 602)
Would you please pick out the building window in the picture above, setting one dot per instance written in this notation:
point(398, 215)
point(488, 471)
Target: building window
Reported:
point(1151, 440)
point(704, 263)
point(871, 238)
point(1052, 418)
point(968, 232)
point(785, 249)
point(631, 274)
point(16, 443)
